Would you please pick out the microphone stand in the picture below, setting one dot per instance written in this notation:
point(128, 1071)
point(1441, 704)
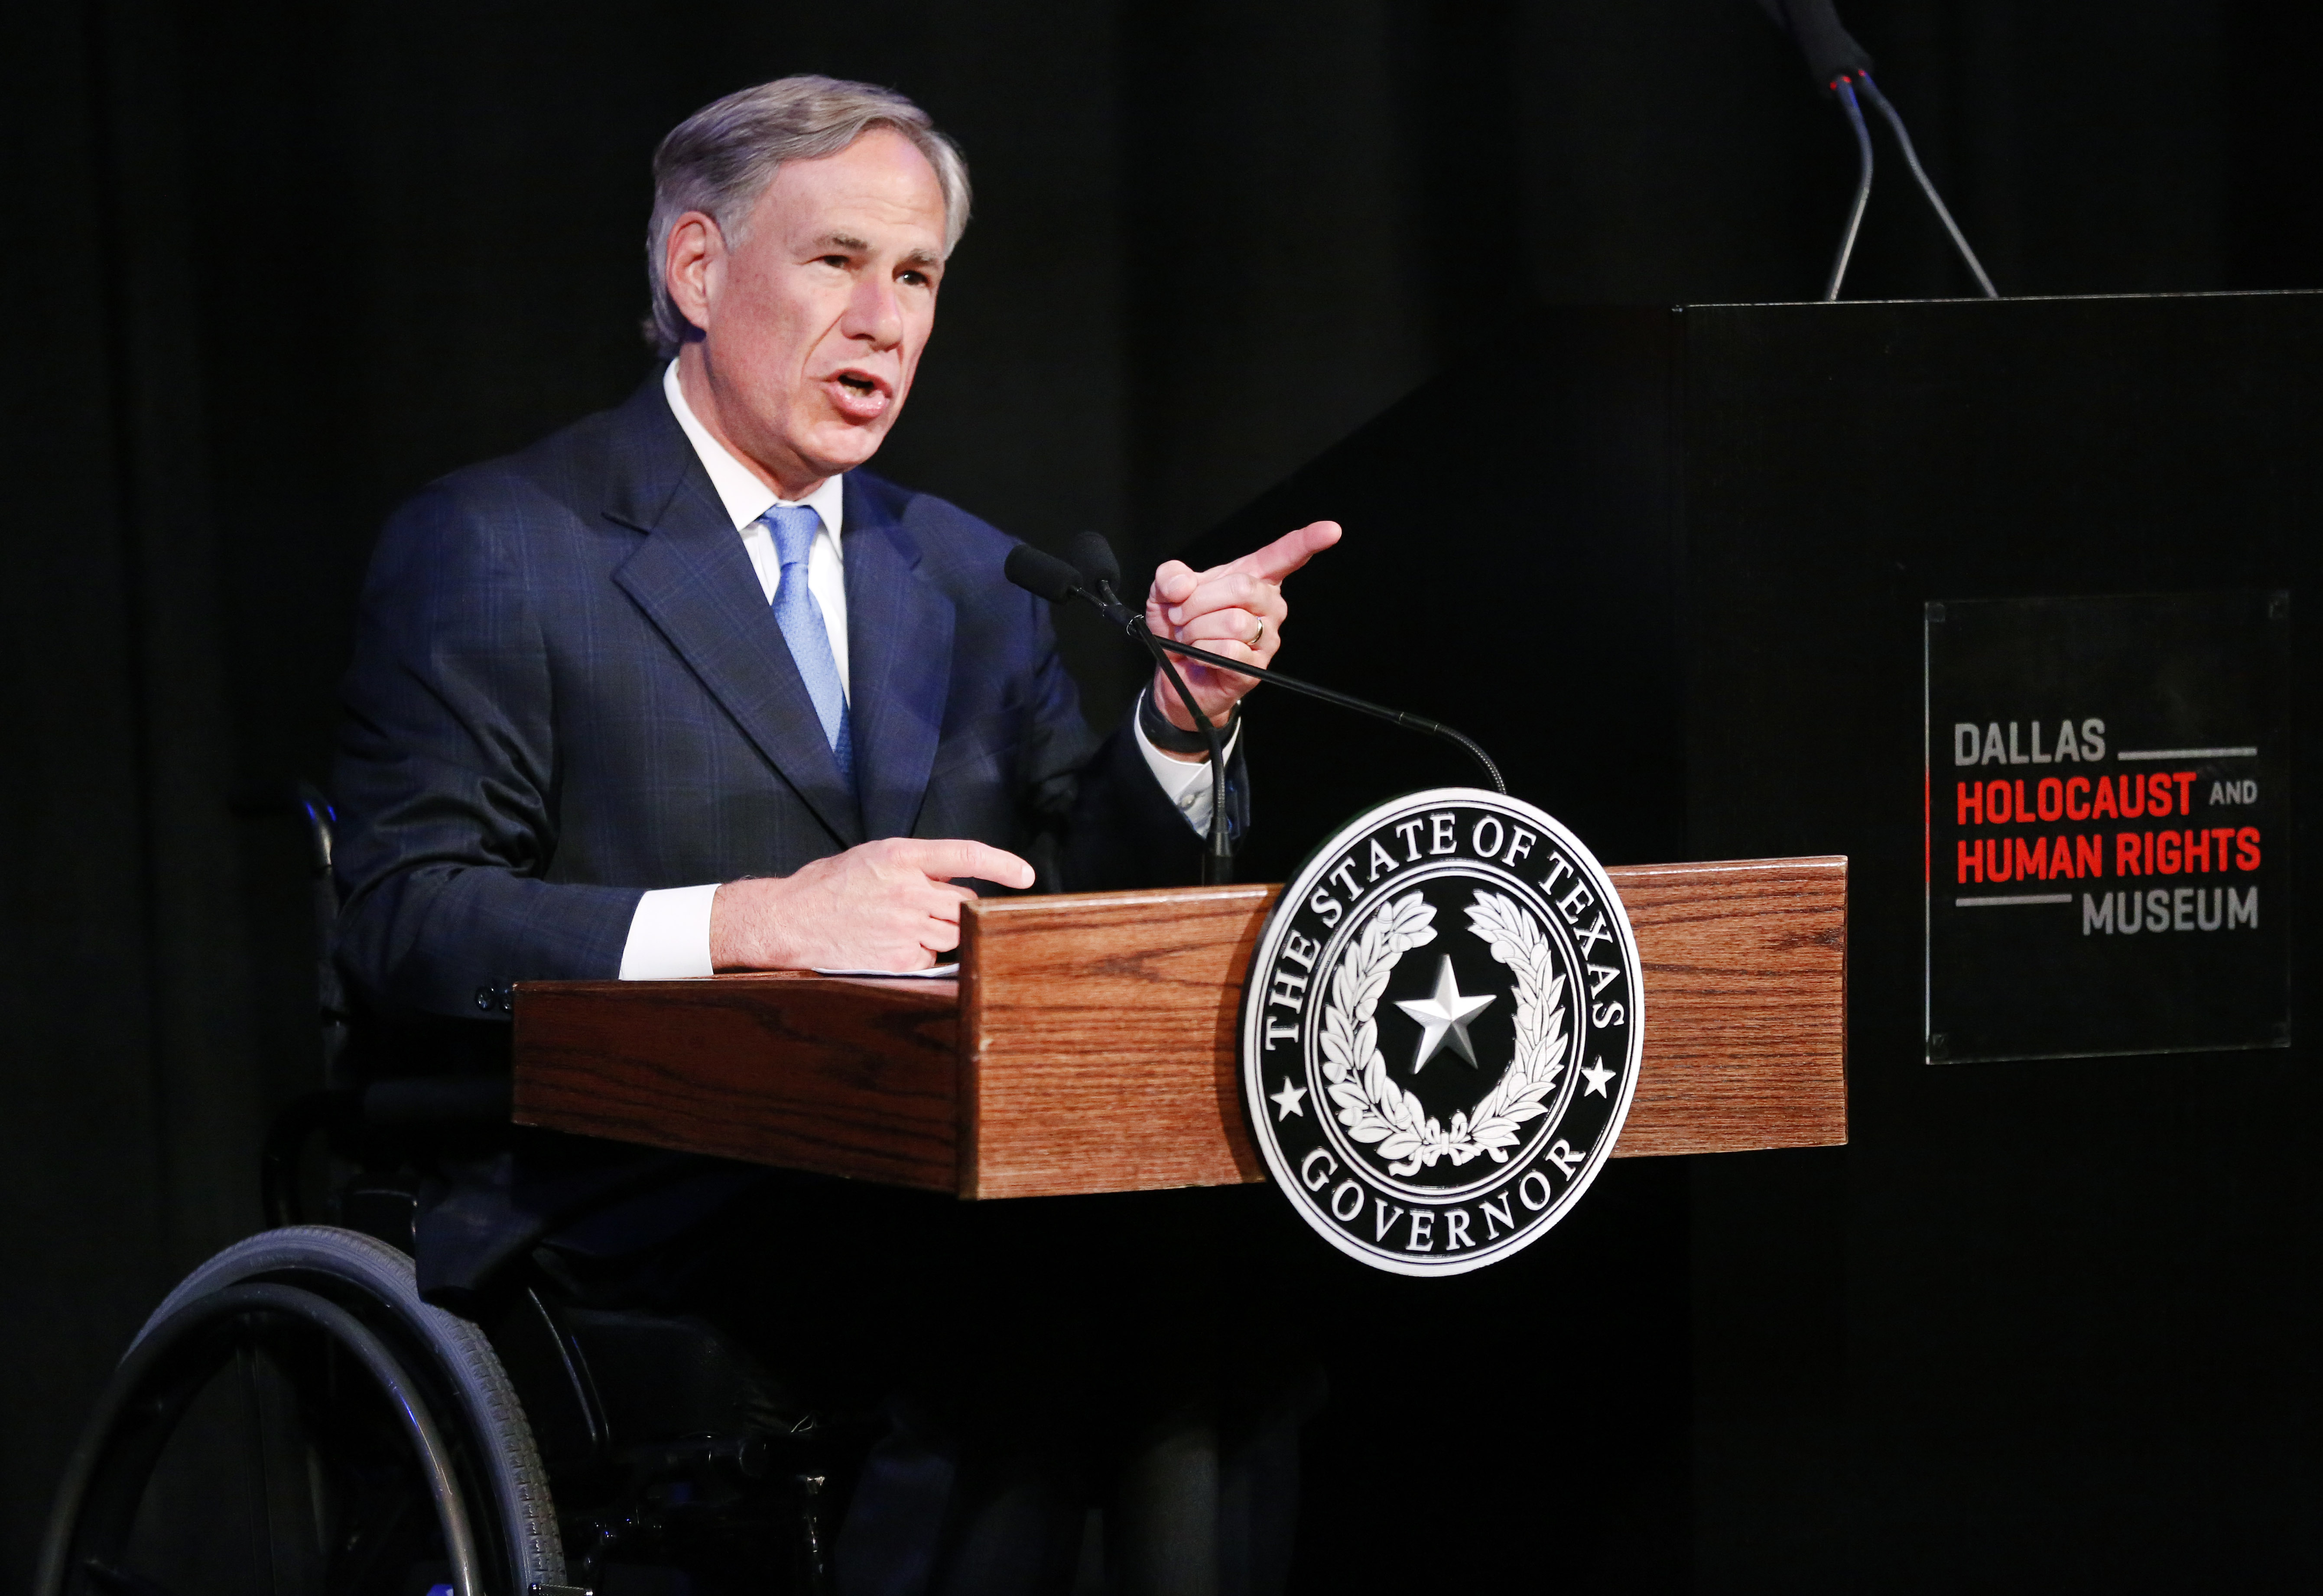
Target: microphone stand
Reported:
point(1218, 863)
point(1092, 582)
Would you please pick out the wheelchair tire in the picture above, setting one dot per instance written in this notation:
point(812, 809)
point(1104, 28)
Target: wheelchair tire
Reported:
point(377, 1284)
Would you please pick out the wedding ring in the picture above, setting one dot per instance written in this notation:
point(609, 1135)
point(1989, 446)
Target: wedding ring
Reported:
point(1256, 635)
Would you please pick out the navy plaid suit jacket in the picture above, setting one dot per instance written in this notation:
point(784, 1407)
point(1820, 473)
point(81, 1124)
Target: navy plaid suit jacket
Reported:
point(568, 688)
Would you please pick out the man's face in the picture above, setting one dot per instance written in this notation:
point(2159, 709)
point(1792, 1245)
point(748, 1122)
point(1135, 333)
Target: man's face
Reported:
point(814, 318)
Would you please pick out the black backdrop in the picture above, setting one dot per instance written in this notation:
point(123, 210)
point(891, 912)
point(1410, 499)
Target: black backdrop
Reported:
point(269, 266)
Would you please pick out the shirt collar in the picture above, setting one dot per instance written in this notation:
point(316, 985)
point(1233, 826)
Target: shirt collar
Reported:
point(745, 496)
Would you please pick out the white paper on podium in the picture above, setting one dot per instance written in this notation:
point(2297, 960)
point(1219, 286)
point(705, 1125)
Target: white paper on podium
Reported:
point(942, 972)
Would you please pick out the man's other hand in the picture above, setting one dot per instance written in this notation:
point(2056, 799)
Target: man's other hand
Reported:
point(886, 905)
point(1235, 609)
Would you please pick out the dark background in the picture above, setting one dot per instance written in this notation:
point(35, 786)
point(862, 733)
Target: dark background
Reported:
point(269, 268)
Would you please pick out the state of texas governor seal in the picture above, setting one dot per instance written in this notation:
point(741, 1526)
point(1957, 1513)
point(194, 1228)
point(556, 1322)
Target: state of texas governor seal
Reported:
point(1441, 1030)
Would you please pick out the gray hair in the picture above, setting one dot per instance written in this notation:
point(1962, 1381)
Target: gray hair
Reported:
point(720, 159)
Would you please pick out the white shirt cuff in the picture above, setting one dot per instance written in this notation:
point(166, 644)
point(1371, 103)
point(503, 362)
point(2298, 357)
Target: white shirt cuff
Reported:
point(1185, 785)
point(669, 935)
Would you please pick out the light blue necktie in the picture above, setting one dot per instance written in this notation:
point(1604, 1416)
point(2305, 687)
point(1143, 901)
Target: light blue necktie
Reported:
point(793, 526)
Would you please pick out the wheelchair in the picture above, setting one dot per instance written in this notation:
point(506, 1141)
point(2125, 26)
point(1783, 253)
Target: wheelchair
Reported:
point(295, 1419)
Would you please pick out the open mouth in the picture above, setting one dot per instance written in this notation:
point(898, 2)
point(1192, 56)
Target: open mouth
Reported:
point(859, 395)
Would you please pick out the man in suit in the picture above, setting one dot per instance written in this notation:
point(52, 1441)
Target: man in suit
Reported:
point(682, 689)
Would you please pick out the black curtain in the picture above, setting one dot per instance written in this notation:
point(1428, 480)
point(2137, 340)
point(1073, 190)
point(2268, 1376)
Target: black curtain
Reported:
point(270, 267)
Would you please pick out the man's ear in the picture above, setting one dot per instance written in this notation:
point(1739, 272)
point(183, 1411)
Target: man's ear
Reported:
point(690, 263)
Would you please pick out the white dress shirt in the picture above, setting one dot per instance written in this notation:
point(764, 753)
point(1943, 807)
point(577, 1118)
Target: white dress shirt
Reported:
point(669, 934)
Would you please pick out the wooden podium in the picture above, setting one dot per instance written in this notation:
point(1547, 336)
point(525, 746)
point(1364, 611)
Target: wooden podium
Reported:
point(1089, 1042)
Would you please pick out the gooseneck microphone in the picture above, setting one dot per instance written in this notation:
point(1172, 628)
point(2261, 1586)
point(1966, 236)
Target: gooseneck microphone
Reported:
point(1057, 582)
point(1092, 579)
point(1841, 66)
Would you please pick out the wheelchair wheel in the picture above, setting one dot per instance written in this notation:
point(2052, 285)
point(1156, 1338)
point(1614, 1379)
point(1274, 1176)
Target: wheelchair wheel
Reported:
point(293, 1418)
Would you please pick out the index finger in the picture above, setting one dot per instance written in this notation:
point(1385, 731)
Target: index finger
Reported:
point(1287, 552)
point(947, 858)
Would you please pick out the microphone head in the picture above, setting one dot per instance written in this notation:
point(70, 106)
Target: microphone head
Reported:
point(1094, 556)
point(1814, 26)
point(1043, 574)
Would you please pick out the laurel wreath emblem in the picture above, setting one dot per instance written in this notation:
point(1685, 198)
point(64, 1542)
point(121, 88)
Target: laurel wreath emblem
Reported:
point(1373, 1108)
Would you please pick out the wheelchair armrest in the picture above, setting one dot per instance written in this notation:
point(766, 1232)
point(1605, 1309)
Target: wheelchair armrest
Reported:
point(352, 1119)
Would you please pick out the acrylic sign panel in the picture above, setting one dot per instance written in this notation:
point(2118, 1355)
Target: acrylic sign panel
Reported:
point(2108, 825)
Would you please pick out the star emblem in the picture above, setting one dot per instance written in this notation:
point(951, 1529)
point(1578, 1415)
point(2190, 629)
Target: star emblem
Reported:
point(1442, 1015)
point(1597, 1075)
point(1289, 1101)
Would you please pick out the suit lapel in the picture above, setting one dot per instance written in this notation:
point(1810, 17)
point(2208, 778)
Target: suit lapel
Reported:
point(694, 581)
point(899, 630)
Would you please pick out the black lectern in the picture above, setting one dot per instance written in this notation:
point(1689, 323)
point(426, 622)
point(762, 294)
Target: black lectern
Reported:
point(1674, 568)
